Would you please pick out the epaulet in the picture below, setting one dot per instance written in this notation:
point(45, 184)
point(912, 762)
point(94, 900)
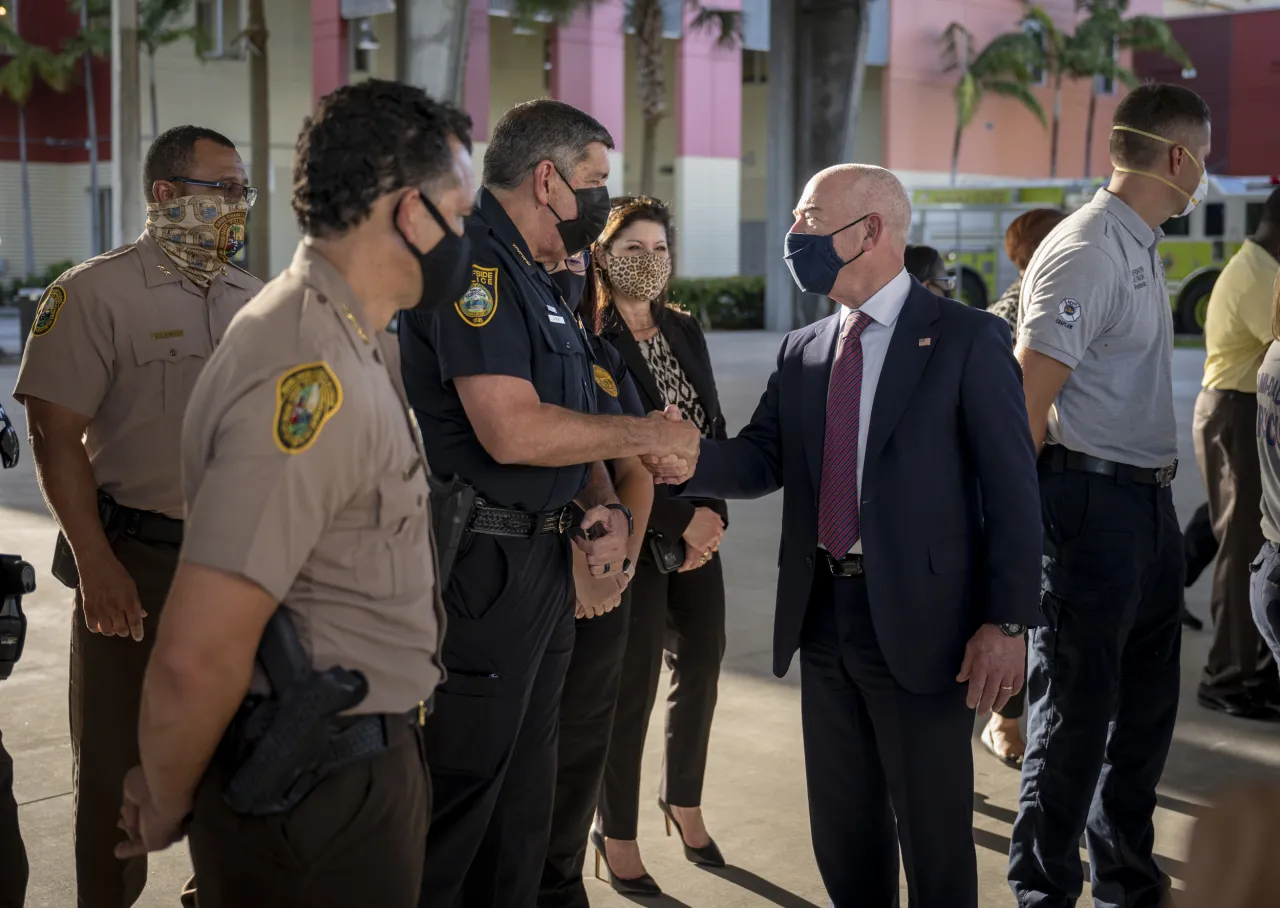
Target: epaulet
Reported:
point(75, 271)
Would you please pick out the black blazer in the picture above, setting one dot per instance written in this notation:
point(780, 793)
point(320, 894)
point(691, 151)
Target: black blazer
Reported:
point(670, 516)
point(950, 503)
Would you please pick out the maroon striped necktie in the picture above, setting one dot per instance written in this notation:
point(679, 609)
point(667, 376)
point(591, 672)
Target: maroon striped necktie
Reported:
point(838, 524)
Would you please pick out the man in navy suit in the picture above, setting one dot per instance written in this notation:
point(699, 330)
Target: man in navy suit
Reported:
point(911, 542)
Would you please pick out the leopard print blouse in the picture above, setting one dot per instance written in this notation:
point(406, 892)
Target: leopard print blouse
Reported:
point(672, 382)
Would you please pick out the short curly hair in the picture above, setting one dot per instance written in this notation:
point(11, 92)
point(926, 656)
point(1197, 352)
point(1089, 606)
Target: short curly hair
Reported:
point(364, 141)
point(1027, 232)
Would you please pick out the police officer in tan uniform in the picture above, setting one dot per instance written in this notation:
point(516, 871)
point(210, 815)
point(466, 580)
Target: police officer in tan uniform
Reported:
point(305, 486)
point(114, 352)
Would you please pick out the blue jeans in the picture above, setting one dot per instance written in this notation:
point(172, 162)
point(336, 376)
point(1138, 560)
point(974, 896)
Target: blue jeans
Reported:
point(1264, 595)
point(1102, 688)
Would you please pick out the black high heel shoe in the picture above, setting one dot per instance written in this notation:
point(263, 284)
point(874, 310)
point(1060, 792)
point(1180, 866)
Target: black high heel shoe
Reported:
point(706, 856)
point(644, 885)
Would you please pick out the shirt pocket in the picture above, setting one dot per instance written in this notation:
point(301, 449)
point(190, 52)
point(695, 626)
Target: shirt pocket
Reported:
point(403, 546)
point(177, 356)
point(567, 366)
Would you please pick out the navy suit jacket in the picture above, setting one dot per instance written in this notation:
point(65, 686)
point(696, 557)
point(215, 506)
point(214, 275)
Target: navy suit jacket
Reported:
point(950, 504)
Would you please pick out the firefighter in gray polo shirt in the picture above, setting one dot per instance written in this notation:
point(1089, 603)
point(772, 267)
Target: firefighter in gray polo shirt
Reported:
point(1096, 347)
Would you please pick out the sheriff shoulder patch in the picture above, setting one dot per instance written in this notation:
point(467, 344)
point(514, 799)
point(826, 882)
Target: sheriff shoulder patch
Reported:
point(605, 381)
point(47, 315)
point(306, 398)
point(481, 299)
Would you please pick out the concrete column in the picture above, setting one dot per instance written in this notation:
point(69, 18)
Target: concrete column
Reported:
point(330, 54)
point(476, 83)
point(708, 111)
point(128, 203)
point(588, 70)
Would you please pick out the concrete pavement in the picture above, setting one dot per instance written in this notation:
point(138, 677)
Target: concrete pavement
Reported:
point(755, 797)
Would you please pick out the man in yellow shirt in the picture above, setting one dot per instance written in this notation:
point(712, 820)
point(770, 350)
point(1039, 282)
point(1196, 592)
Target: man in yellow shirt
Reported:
point(1240, 677)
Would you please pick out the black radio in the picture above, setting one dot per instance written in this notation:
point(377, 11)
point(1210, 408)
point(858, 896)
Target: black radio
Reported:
point(17, 579)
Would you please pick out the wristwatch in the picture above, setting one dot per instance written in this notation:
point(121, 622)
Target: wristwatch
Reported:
point(1012, 630)
point(631, 524)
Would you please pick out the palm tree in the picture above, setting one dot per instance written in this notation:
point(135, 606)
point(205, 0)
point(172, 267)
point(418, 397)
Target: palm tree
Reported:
point(259, 225)
point(1061, 56)
point(645, 18)
point(1102, 35)
point(28, 63)
point(1003, 68)
point(94, 40)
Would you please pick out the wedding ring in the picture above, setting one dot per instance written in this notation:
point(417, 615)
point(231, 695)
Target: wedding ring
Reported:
point(1002, 687)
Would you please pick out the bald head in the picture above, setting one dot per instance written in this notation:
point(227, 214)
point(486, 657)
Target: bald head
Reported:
point(866, 212)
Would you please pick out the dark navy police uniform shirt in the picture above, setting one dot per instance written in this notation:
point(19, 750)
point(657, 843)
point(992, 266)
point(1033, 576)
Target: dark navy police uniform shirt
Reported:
point(511, 321)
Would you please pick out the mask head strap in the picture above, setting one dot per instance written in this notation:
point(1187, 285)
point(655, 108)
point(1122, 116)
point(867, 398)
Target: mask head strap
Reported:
point(1144, 173)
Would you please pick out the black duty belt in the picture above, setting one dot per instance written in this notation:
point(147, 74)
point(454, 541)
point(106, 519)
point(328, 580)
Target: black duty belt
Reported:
point(146, 526)
point(1059, 459)
point(493, 521)
point(848, 566)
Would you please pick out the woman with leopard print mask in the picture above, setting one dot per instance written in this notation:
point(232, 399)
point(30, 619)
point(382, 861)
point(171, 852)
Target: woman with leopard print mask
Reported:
point(678, 601)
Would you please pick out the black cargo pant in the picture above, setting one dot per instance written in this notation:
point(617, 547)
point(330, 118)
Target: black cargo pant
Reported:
point(491, 742)
point(356, 839)
point(1103, 693)
point(105, 696)
point(586, 718)
point(13, 855)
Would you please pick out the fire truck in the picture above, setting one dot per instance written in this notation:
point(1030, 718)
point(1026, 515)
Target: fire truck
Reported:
point(967, 225)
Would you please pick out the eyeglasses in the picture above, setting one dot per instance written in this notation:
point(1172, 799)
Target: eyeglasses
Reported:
point(233, 192)
point(8, 442)
point(579, 263)
point(947, 283)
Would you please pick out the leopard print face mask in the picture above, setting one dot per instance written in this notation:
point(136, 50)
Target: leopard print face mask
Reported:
point(641, 277)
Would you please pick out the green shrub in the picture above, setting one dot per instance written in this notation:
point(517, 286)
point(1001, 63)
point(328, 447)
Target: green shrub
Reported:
point(722, 303)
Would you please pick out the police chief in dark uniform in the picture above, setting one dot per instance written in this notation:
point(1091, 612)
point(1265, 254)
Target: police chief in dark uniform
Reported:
point(503, 386)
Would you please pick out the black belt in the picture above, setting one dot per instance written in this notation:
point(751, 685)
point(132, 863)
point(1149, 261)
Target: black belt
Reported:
point(493, 521)
point(848, 566)
point(146, 526)
point(1058, 459)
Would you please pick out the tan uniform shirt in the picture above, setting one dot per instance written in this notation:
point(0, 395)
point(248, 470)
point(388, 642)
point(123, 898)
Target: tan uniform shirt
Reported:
point(121, 339)
point(303, 471)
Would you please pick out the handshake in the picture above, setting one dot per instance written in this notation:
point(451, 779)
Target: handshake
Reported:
point(673, 450)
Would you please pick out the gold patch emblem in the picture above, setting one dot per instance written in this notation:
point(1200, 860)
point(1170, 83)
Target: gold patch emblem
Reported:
point(605, 381)
point(47, 315)
point(481, 299)
point(306, 398)
point(165, 335)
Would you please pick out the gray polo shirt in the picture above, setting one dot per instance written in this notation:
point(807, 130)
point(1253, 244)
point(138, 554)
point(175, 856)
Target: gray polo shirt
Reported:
point(1094, 299)
point(1268, 430)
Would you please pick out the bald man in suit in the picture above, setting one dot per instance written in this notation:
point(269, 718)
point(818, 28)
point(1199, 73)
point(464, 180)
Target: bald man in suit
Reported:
point(911, 542)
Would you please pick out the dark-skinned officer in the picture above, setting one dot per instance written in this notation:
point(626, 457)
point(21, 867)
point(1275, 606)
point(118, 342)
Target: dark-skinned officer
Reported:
point(502, 383)
point(307, 500)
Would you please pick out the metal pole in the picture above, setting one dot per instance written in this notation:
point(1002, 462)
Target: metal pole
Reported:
point(91, 102)
point(126, 125)
point(781, 190)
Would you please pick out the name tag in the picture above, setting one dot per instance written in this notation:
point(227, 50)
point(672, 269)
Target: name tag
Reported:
point(165, 335)
point(556, 319)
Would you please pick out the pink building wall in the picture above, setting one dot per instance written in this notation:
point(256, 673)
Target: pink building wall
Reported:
point(919, 108)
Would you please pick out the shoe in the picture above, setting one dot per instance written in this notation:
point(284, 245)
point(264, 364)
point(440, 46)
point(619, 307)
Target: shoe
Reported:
point(1190, 621)
point(989, 742)
point(1241, 705)
point(644, 885)
point(706, 856)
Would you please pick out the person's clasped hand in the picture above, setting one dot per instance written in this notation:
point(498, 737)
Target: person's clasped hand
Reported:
point(595, 595)
point(675, 458)
point(606, 553)
point(702, 538)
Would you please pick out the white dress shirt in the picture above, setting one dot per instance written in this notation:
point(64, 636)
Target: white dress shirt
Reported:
point(883, 309)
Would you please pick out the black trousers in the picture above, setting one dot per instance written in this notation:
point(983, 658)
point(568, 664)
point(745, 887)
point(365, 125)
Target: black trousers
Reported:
point(356, 839)
point(682, 614)
point(13, 854)
point(586, 718)
point(491, 742)
point(886, 768)
point(1103, 693)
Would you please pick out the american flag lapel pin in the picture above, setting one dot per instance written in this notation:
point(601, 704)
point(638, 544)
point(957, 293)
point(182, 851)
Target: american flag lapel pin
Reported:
point(925, 341)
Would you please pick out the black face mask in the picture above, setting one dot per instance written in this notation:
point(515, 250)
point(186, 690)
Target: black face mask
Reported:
point(593, 214)
point(571, 286)
point(445, 267)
